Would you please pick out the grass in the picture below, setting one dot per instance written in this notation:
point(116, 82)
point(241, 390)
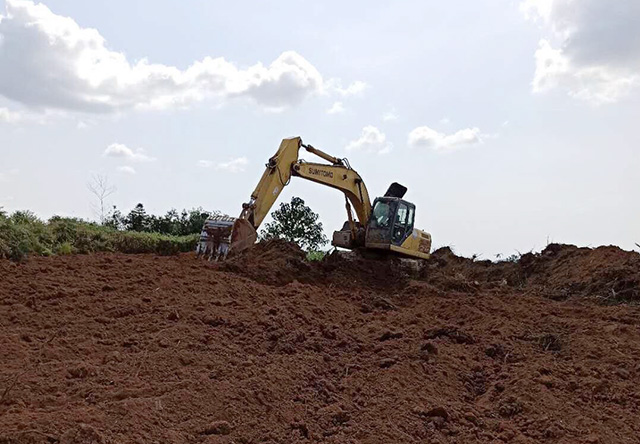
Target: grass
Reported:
point(315, 255)
point(22, 234)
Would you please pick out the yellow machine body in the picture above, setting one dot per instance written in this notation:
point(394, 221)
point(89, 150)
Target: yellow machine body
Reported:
point(366, 230)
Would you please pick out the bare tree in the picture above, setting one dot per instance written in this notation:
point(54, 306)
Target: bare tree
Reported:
point(101, 189)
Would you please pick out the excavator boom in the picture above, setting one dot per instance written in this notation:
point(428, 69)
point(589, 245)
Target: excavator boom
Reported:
point(279, 169)
point(338, 174)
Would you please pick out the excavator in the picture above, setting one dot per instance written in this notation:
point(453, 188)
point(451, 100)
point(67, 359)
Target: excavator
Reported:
point(385, 225)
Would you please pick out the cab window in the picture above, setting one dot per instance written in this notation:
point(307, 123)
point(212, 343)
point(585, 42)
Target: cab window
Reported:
point(400, 225)
point(401, 215)
point(381, 216)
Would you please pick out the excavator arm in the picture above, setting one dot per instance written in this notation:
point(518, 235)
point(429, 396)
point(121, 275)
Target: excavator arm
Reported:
point(342, 178)
point(286, 163)
point(391, 229)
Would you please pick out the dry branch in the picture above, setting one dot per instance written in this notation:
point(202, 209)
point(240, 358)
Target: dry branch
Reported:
point(11, 386)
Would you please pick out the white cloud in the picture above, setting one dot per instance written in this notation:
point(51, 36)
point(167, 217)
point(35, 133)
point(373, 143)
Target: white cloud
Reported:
point(336, 108)
point(11, 117)
point(445, 121)
point(236, 165)
point(371, 140)
point(122, 151)
point(425, 137)
point(534, 9)
point(390, 115)
point(126, 169)
point(591, 48)
point(354, 89)
point(49, 61)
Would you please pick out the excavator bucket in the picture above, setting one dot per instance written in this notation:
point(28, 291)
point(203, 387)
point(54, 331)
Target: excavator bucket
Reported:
point(243, 235)
point(215, 237)
point(222, 234)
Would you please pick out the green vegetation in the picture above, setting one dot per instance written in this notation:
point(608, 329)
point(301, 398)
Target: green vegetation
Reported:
point(316, 255)
point(296, 222)
point(23, 233)
point(172, 223)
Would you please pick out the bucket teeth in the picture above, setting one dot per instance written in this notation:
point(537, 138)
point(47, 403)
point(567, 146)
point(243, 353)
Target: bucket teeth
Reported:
point(222, 234)
point(215, 237)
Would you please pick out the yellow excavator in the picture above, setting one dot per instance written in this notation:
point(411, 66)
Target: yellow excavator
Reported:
point(385, 225)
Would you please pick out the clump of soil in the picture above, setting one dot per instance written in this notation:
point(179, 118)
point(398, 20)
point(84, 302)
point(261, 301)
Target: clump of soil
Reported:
point(278, 262)
point(270, 348)
point(352, 269)
point(274, 261)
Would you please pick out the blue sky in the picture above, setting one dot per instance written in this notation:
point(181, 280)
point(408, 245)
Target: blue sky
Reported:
point(512, 123)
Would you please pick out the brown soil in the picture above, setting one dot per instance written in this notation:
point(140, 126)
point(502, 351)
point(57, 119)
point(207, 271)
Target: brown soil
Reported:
point(269, 348)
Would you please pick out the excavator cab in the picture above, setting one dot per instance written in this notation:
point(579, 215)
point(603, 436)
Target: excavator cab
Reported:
point(391, 220)
point(390, 227)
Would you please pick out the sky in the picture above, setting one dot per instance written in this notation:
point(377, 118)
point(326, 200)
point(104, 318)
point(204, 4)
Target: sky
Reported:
point(512, 123)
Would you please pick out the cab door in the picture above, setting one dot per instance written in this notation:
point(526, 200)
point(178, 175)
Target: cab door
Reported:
point(403, 223)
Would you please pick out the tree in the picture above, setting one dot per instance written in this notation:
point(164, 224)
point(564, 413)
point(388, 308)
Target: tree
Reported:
point(101, 189)
point(137, 219)
point(192, 221)
point(172, 223)
point(296, 222)
point(115, 219)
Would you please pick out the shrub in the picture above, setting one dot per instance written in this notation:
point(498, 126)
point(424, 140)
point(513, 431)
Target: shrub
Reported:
point(315, 255)
point(64, 249)
point(23, 234)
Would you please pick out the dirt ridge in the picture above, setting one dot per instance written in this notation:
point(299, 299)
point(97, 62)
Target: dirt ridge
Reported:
point(269, 348)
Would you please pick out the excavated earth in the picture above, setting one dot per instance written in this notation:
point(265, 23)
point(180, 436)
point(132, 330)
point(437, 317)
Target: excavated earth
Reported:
point(270, 348)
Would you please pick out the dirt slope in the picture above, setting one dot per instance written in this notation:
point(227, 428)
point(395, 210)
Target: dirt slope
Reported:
point(268, 348)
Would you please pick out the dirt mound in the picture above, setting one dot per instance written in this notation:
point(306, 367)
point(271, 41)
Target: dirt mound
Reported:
point(269, 348)
point(351, 269)
point(277, 262)
point(609, 273)
point(559, 272)
point(274, 261)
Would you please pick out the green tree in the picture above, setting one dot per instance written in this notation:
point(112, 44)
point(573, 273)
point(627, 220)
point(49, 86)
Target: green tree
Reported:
point(167, 224)
point(137, 219)
point(172, 223)
point(296, 222)
point(25, 217)
point(191, 221)
point(115, 219)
